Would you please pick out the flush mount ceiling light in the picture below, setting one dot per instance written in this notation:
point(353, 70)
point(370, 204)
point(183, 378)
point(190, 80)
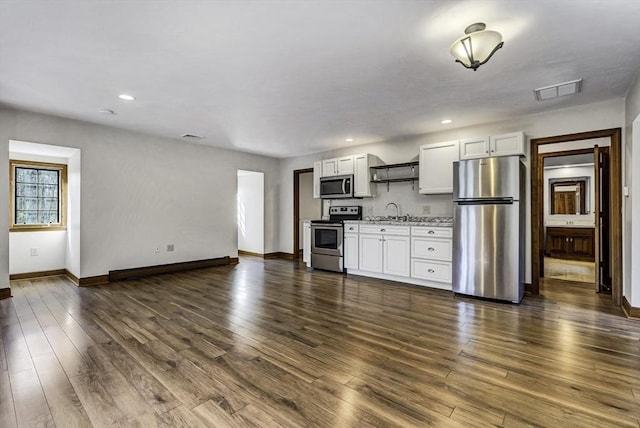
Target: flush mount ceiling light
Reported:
point(558, 90)
point(476, 47)
point(126, 97)
point(446, 121)
point(349, 140)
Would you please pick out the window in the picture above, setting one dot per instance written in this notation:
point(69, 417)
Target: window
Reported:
point(38, 196)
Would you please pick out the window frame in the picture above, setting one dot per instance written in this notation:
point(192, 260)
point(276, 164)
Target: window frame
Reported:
point(62, 196)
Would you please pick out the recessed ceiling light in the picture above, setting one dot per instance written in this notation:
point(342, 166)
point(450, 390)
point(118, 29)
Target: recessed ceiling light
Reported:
point(349, 140)
point(446, 121)
point(106, 111)
point(126, 97)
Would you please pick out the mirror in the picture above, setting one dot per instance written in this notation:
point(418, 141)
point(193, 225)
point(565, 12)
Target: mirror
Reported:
point(568, 195)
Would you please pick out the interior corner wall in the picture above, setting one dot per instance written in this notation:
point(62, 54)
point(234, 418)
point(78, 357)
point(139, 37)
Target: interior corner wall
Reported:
point(74, 190)
point(7, 121)
point(590, 117)
point(139, 192)
point(251, 211)
point(631, 235)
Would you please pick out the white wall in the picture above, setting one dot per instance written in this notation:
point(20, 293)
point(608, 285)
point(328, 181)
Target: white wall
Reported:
point(603, 115)
point(631, 235)
point(50, 245)
point(251, 211)
point(310, 208)
point(140, 191)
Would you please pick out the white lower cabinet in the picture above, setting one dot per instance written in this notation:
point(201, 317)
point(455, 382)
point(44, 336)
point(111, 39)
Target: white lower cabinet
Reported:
point(370, 253)
point(351, 245)
point(306, 242)
point(413, 254)
point(396, 255)
point(431, 254)
point(385, 249)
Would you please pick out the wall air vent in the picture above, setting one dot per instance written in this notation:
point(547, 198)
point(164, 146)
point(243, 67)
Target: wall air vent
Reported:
point(558, 90)
point(192, 136)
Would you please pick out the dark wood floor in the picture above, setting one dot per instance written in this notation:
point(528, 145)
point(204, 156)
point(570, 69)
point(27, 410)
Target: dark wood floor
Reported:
point(266, 343)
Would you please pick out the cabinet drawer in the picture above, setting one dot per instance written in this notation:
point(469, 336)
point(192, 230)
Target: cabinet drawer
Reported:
point(350, 228)
point(429, 270)
point(385, 229)
point(432, 232)
point(427, 248)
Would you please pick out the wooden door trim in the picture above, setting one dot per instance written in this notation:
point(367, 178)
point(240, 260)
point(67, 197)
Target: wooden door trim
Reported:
point(296, 210)
point(537, 208)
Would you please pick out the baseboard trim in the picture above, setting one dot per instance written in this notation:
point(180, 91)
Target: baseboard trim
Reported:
point(119, 275)
point(72, 277)
point(94, 280)
point(5, 293)
point(279, 255)
point(249, 253)
point(630, 311)
point(234, 260)
point(30, 275)
point(528, 288)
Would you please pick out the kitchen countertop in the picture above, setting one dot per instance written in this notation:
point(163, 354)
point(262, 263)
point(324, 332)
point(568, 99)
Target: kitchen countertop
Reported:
point(411, 221)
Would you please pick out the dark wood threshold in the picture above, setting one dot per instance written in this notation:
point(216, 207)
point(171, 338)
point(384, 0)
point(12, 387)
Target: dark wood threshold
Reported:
point(5, 293)
point(119, 275)
point(279, 255)
point(29, 275)
point(630, 311)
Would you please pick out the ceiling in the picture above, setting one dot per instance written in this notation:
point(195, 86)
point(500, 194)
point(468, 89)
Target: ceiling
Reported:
point(285, 78)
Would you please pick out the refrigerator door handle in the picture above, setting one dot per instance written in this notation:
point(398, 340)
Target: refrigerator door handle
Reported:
point(485, 201)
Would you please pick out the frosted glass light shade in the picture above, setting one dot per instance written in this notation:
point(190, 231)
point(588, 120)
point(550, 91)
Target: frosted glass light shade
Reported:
point(475, 48)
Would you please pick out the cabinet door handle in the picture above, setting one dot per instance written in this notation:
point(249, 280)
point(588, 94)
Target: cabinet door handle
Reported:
point(431, 232)
point(383, 230)
point(430, 270)
point(431, 249)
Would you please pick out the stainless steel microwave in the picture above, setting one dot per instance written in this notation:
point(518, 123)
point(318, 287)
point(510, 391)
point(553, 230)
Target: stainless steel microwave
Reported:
point(340, 186)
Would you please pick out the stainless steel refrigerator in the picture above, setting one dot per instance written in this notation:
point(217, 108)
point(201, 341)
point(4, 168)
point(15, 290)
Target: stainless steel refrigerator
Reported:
point(488, 228)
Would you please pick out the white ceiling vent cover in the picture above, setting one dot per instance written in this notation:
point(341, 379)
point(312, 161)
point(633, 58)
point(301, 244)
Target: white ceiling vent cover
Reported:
point(192, 136)
point(558, 90)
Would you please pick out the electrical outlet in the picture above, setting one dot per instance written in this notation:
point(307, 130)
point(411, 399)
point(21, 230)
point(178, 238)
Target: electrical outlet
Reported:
point(170, 247)
point(426, 209)
point(157, 248)
point(34, 251)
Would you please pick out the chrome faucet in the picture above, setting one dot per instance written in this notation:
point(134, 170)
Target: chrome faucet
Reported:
point(397, 209)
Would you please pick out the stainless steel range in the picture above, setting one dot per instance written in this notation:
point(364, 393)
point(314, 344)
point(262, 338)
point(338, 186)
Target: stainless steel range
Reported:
point(327, 238)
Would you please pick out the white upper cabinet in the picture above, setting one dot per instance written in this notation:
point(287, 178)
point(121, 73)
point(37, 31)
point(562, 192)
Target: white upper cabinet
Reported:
point(508, 144)
point(317, 173)
point(512, 144)
point(473, 148)
point(436, 167)
point(363, 188)
point(337, 166)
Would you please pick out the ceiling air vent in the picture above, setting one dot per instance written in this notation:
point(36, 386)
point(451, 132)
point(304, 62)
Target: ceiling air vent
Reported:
point(192, 137)
point(558, 90)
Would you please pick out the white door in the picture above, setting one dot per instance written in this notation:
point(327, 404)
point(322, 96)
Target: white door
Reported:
point(436, 167)
point(350, 250)
point(396, 255)
point(329, 167)
point(345, 165)
point(370, 256)
point(474, 148)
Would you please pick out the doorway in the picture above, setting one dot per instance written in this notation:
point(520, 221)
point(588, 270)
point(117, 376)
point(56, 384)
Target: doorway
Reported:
point(595, 199)
point(251, 213)
point(305, 206)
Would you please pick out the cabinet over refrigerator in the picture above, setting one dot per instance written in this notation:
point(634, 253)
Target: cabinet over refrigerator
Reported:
point(488, 228)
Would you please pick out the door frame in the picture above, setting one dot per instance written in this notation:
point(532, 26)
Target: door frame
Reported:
point(615, 203)
point(296, 210)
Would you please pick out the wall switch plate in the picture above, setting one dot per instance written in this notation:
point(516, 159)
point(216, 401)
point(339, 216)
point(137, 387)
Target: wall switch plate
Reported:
point(170, 247)
point(426, 209)
point(34, 251)
point(625, 191)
